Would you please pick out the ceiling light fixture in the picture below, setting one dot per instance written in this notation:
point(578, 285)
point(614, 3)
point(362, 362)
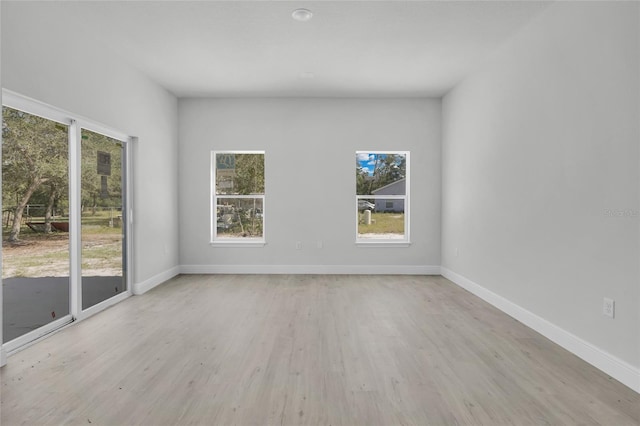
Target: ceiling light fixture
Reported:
point(302, 15)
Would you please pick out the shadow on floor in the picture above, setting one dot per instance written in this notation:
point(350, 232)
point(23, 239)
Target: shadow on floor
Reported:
point(30, 303)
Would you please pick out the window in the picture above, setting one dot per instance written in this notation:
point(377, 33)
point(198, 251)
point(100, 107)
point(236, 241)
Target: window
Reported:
point(237, 197)
point(382, 197)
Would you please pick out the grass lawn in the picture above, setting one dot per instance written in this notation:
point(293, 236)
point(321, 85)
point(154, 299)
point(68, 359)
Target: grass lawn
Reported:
point(38, 254)
point(382, 223)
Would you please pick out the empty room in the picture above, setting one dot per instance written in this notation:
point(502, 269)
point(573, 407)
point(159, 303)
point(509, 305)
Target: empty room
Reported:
point(320, 213)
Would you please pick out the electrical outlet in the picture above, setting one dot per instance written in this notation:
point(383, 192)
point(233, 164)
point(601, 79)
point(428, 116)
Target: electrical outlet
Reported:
point(456, 252)
point(608, 307)
point(319, 245)
point(298, 245)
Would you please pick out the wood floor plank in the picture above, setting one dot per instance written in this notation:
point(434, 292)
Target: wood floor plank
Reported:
point(306, 350)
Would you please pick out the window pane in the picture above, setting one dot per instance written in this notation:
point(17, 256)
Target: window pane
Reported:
point(385, 222)
point(102, 224)
point(241, 174)
point(380, 174)
point(239, 217)
point(35, 197)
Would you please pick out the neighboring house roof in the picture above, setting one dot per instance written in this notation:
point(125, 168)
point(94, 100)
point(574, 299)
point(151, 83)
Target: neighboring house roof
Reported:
point(392, 185)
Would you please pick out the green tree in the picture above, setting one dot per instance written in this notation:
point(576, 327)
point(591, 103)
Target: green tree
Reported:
point(34, 152)
point(55, 189)
point(248, 179)
point(362, 180)
point(53, 195)
point(249, 174)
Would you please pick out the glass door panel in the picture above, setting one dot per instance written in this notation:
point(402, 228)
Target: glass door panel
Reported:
point(103, 222)
point(35, 222)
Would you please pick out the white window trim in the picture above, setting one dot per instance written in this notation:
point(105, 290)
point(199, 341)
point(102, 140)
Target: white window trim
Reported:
point(404, 242)
point(234, 242)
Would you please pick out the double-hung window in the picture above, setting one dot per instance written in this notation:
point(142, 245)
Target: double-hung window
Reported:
point(382, 197)
point(238, 201)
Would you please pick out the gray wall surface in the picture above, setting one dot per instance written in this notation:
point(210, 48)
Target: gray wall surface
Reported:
point(310, 176)
point(541, 173)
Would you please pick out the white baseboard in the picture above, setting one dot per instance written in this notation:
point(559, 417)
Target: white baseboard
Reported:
point(613, 366)
point(312, 269)
point(149, 283)
point(3, 357)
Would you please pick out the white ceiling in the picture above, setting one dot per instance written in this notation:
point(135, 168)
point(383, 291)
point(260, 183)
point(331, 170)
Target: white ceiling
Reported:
point(348, 49)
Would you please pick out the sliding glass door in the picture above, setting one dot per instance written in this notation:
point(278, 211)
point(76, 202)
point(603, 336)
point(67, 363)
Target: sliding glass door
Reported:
point(35, 222)
point(65, 230)
point(103, 218)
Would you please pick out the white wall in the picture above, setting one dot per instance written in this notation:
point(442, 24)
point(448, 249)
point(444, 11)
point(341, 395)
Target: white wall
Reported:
point(63, 67)
point(3, 355)
point(310, 180)
point(538, 144)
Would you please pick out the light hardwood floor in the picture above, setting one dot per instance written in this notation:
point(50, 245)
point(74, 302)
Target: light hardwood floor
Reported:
point(306, 349)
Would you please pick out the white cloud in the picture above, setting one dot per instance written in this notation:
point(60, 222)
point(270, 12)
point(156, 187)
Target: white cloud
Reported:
point(363, 156)
point(366, 169)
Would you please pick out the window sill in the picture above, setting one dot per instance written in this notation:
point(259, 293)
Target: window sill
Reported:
point(383, 243)
point(230, 243)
